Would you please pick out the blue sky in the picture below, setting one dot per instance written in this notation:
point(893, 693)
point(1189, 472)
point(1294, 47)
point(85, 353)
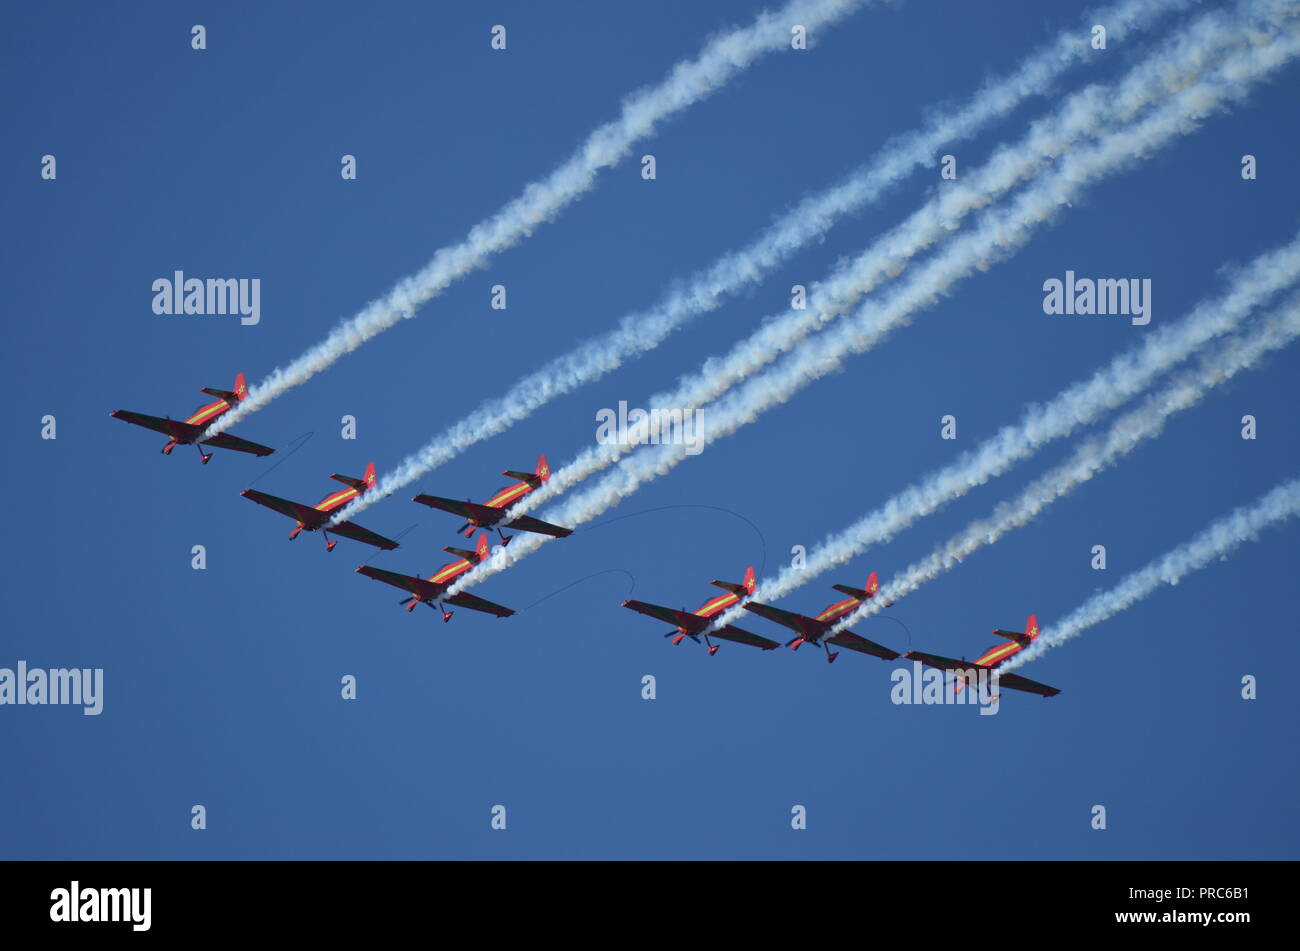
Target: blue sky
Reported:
point(222, 685)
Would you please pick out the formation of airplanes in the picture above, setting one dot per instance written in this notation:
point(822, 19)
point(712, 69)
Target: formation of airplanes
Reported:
point(819, 630)
point(700, 625)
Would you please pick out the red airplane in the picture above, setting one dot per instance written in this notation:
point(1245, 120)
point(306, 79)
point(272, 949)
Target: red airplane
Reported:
point(310, 518)
point(431, 590)
point(694, 625)
point(491, 513)
point(992, 658)
point(814, 629)
point(190, 431)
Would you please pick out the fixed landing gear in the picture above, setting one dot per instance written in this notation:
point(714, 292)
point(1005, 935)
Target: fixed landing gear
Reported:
point(412, 602)
point(329, 545)
point(203, 456)
point(799, 642)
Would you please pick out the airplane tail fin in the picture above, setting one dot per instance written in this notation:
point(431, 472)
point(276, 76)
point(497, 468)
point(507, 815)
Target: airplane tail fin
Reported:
point(230, 396)
point(1025, 638)
point(475, 557)
point(361, 485)
point(744, 589)
point(532, 478)
point(862, 594)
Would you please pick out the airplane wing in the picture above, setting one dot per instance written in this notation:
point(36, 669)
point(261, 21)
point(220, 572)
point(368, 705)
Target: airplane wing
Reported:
point(730, 633)
point(526, 523)
point(856, 642)
point(465, 600)
point(800, 623)
point(692, 623)
point(168, 427)
point(425, 590)
point(934, 660)
point(310, 517)
point(357, 533)
point(1012, 681)
point(227, 441)
point(1016, 682)
point(466, 510)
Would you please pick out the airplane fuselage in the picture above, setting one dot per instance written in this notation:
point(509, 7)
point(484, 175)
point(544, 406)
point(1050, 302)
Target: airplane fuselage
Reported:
point(443, 578)
point(997, 654)
point(502, 500)
point(204, 416)
point(829, 616)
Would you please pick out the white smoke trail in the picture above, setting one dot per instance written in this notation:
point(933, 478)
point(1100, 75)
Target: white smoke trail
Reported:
point(1124, 436)
point(1216, 541)
point(997, 235)
point(1083, 112)
point(640, 332)
point(723, 58)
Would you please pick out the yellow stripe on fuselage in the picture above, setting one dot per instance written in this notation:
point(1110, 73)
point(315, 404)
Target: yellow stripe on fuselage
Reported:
point(447, 572)
point(207, 413)
point(996, 654)
point(331, 502)
point(838, 609)
point(509, 494)
point(710, 608)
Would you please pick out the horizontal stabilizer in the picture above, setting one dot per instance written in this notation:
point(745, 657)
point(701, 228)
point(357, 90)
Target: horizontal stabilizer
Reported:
point(731, 586)
point(744, 589)
point(851, 591)
point(1024, 640)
